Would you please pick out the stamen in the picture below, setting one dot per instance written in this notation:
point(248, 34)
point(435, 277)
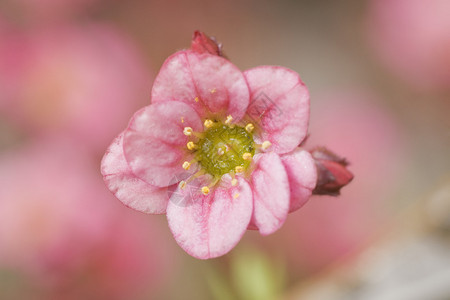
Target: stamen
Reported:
point(208, 123)
point(213, 90)
point(196, 99)
point(247, 156)
point(196, 175)
point(239, 169)
point(188, 131)
point(236, 195)
point(220, 152)
point(234, 182)
point(182, 119)
point(205, 190)
point(186, 165)
point(266, 144)
point(191, 146)
point(249, 127)
point(182, 184)
point(213, 184)
point(229, 120)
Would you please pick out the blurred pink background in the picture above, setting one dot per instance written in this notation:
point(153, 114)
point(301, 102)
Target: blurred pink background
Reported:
point(72, 72)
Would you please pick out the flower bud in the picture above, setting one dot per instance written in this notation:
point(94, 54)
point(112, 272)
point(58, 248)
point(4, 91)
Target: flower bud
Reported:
point(332, 173)
point(201, 43)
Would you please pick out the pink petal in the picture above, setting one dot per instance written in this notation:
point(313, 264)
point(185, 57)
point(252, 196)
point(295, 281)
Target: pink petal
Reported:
point(279, 106)
point(270, 193)
point(219, 85)
point(302, 175)
point(210, 226)
point(154, 144)
point(128, 188)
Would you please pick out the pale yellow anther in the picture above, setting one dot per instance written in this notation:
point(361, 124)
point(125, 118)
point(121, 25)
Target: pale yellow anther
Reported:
point(236, 195)
point(229, 120)
point(191, 146)
point(247, 156)
point(208, 123)
point(205, 190)
point(182, 184)
point(234, 182)
point(265, 145)
point(187, 131)
point(220, 152)
point(239, 169)
point(249, 127)
point(186, 165)
point(182, 119)
point(213, 90)
point(196, 99)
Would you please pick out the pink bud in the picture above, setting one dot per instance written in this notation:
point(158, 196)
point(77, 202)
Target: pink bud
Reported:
point(201, 43)
point(332, 173)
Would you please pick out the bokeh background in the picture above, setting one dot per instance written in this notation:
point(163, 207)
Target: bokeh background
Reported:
point(72, 72)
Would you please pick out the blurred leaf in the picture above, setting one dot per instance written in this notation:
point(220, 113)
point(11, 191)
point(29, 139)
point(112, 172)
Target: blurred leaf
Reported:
point(255, 276)
point(219, 286)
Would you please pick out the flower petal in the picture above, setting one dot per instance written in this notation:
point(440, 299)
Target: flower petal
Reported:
point(270, 193)
point(279, 106)
point(210, 226)
point(154, 144)
point(128, 188)
point(302, 175)
point(208, 83)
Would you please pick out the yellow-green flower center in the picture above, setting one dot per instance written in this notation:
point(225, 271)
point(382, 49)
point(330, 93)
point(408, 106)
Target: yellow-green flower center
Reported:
point(223, 148)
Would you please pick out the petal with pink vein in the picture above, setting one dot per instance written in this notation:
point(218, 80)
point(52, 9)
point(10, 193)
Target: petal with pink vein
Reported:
point(210, 226)
point(270, 193)
point(132, 191)
point(154, 144)
point(208, 83)
point(279, 106)
point(302, 175)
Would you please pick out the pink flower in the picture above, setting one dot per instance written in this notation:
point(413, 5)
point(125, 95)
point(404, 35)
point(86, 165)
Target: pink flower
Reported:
point(57, 226)
point(71, 81)
point(217, 151)
point(412, 37)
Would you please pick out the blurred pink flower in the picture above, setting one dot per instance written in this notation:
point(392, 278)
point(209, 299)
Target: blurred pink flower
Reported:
point(59, 228)
point(327, 228)
point(236, 132)
point(12, 57)
point(47, 11)
point(81, 82)
point(412, 37)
